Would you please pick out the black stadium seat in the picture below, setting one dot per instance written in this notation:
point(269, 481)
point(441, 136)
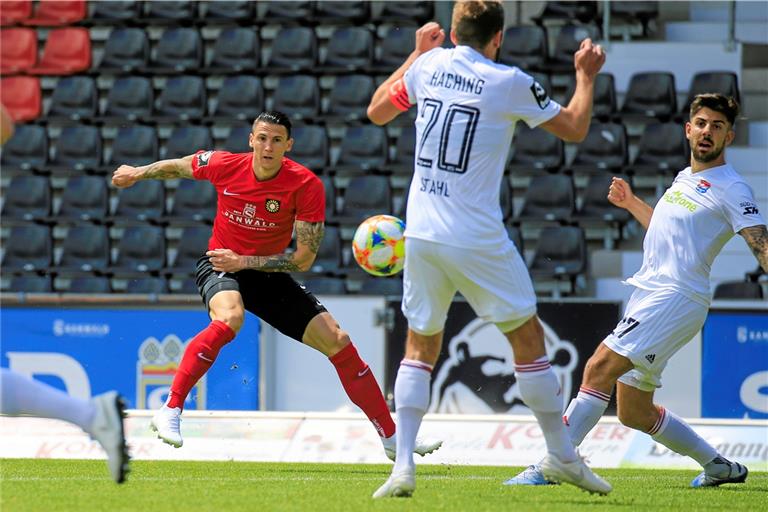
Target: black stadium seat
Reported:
point(294, 50)
point(194, 200)
point(584, 12)
point(393, 49)
point(651, 94)
point(228, 11)
point(419, 12)
point(78, 148)
point(662, 149)
point(549, 197)
point(330, 197)
point(192, 246)
point(744, 290)
point(310, 147)
point(535, 150)
point(349, 49)
point(567, 43)
point(241, 98)
point(28, 247)
point(180, 50)
point(723, 82)
point(595, 206)
point(297, 96)
point(117, 11)
point(85, 248)
point(155, 285)
point(169, 11)
point(75, 98)
point(524, 46)
point(236, 50)
point(342, 12)
point(26, 149)
point(130, 98)
point(364, 147)
point(366, 196)
point(604, 106)
point(134, 145)
point(329, 257)
point(561, 254)
point(85, 198)
point(88, 284)
point(516, 236)
point(126, 50)
point(183, 98)
point(605, 148)
point(27, 198)
point(186, 140)
point(405, 150)
point(237, 139)
point(31, 283)
point(144, 201)
point(289, 11)
point(350, 97)
point(141, 249)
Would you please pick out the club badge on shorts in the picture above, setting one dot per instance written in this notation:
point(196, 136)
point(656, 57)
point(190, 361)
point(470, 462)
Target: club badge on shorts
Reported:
point(272, 205)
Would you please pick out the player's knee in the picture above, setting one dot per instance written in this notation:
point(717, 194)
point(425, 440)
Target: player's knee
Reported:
point(233, 317)
point(340, 340)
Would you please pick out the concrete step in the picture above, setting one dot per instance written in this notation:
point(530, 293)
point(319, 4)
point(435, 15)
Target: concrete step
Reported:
point(719, 11)
point(758, 134)
point(754, 105)
point(754, 79)
point(711, 31)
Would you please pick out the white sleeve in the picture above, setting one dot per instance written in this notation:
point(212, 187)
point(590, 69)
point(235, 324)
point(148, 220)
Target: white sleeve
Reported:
point(412, 73)
point(529, 101)
point(740, 207)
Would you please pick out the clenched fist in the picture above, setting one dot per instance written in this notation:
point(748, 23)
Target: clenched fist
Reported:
point(125, 176)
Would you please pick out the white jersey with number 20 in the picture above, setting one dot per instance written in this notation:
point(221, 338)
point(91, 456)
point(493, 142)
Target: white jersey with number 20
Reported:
point(467, 109)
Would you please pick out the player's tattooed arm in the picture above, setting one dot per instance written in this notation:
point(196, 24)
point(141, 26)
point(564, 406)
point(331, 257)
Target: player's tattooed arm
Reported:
point(127, 175)
point(757, 240)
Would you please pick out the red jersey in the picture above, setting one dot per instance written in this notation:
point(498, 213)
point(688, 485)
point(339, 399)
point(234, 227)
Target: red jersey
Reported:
point(255, 218)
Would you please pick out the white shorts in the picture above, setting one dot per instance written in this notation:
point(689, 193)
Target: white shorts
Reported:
point(656, 324)
point(495, 283)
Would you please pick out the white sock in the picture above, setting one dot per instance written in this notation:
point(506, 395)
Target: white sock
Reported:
point(411, 403)
point(584, 412)
point(21, 395)
point(540, 390)
point(678, 436)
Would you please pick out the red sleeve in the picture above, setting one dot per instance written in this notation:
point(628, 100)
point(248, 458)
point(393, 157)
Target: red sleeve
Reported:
point(310, 201)
point(206, 164)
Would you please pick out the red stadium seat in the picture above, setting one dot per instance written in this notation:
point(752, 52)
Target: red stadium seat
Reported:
point(21, 96)
point(67, 51)
point(54, 13)
point(18, 50)
point(15, 11)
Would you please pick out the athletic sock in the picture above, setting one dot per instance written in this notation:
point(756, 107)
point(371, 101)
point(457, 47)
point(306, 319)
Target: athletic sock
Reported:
point(678, 436)
point(21, 395)
point(197, 359)
point(411, 403)
point(541, 392)
point(584, 412)
point(361, 387)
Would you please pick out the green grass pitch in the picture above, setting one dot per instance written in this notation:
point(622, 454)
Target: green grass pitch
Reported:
point(156, 486)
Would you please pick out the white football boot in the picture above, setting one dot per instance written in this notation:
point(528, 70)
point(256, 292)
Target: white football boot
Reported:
point(107, 429)
point(166, 422)
point(576, 473)
point(400, 485)
point(422, 448)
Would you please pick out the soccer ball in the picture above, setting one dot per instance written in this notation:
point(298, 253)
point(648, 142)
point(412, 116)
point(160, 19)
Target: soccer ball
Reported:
point(379, 245)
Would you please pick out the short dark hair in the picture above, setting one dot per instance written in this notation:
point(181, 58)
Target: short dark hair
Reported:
point(476, 22)
point(274, 117)
point(726, 105)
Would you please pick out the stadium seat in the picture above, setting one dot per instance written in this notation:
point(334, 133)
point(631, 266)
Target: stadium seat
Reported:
point(310, 147)
point(298, 96)
point(549, 197)
point(395, 47)
point(641, 11)
point(85, 248)
point(334, 13)
point(294, 50)
point(517, 238)
point(27, 198)
point(117, 11)
point(134, 145)
point(67, 51)
point(15, 12)
point(140, 249)
point(144, 201)
point(604, 106)
point(31, 283)
point(88, 284)
point(186, 140)
point(85, 198)
point(662, 149)
point(524, 46)
point(74, 98)
point(405, 151)
point(723, 82)
point(535, 150)
point(179, 50)
point(227, 11)
point(22, 97)
point(54, 13)
point(350, 97)
point(237, 139)
point(744, 290)
point(584, 12)
point(604, 149)
point(241, 98)
point(330, 197)
point(350, 49)
point(78, 148)
point(169, 12)
point(288, 11)
point(366, 196)
point(596, 211)
point(568, 40)
point(28, 247)
point(183, 286)
point(419, 12)
point(18, 50)
point(126, 50)
point(193, 244)
point(26, 149)
point(387, 286)
point(322, 285)
point(329, 257)
point(147, 285)
point(363, 148)
point(130, 98)
point(561, 254)
point(193, 200)
point(651, 94)
point(236, 50)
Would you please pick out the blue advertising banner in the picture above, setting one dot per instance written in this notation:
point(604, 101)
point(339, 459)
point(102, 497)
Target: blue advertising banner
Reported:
point(735, 365)
point(134, 351)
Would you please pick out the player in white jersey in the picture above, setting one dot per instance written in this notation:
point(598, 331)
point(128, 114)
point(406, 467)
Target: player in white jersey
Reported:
point(455, 238)
point(706, 205)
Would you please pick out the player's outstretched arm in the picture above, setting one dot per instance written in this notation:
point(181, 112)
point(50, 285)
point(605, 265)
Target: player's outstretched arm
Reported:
point(381, 109)
point(126, 175)
point(757, 240)
point(620, 194)
point(308, 238)
point(572, 122)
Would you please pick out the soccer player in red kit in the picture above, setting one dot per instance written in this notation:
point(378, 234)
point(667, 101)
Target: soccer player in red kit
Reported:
point(262, 198)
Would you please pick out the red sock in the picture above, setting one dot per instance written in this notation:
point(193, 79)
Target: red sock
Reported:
point(198, 357)
point(362, 389)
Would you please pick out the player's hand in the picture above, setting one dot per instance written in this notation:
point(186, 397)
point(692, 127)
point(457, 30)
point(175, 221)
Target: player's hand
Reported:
point(589, 59)
point(429, 36)
point(125, 176)
point(620, 193)
point(225, 260)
